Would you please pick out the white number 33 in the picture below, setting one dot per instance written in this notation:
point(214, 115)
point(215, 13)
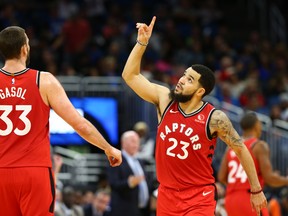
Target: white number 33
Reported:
point(7, 109)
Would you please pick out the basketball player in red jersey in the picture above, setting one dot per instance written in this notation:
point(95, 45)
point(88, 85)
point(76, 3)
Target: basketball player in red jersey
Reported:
point(26, 96)
point(231, 173)
point(186, 137)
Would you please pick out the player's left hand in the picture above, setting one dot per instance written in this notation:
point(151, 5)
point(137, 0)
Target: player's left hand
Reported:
point(258, 201)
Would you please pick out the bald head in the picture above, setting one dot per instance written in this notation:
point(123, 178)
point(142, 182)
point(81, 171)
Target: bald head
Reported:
point(130, 142)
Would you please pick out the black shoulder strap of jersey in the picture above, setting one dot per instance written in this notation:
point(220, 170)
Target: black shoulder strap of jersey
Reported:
point(38, 78)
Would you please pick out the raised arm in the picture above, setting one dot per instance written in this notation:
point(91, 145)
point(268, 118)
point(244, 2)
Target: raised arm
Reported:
point(150, 92)
point(221, 125)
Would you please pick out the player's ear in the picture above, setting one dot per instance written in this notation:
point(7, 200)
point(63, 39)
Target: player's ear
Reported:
point(24, 49)
point(201, 91)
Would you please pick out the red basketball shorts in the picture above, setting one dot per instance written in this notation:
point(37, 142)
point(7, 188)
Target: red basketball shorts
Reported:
point(194, 201)
point(27, 191)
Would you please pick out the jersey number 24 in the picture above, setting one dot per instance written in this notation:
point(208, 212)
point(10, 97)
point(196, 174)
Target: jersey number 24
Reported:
point(236, 172)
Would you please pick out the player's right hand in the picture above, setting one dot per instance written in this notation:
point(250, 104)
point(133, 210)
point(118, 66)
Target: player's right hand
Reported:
point(114, 156)
point(144, 31)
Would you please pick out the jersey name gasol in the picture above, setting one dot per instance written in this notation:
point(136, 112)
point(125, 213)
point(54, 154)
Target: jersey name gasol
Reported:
point(12, 92)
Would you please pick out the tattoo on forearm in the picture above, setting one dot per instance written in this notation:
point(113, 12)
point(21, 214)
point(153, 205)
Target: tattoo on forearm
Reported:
point(220, 123)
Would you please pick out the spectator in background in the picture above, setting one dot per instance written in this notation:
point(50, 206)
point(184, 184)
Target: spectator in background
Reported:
point(130, 192)
point(75, 38)
point(88, 197)
point(78, 194)
point(226, 69)
point(147, 143)
point(225, 94)
point(8, 15)
point(66, 8)
point(109, 66)
point(279, 206)
point(275, 112)
point(232, 174)
point(67, 206)
point(100, 203)
point(252, 98)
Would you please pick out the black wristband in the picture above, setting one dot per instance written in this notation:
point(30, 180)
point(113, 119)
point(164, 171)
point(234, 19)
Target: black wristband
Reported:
point(256, 192)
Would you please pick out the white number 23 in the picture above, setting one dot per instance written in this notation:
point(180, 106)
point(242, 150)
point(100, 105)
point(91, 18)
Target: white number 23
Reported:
point(174, 145)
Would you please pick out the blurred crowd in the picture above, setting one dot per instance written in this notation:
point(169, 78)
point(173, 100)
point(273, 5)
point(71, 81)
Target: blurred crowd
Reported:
point(94, 38)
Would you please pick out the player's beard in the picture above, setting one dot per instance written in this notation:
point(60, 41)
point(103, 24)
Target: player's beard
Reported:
point(180, 97)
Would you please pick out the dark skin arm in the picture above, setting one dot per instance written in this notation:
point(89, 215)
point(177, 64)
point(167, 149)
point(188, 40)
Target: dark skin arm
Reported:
point(262, 153)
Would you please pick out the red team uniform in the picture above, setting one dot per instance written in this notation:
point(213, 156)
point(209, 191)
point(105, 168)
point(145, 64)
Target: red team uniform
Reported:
point(237, 199)
point(184, 153)
point(24, 146)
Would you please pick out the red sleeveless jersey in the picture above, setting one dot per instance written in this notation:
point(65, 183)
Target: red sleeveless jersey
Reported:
point(237, 178)
point(185, 147)
point(24, 121)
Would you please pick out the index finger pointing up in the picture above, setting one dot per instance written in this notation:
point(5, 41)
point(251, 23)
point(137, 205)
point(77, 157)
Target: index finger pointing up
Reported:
point(152, 22)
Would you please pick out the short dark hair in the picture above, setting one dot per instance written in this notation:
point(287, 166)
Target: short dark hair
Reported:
point(11, 41)
point(207, 79)
point(248, 121)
